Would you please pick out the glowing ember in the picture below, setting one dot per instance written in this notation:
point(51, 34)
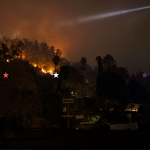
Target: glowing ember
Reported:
point(7, 60)
point(35, 65)
point(43, 71)
point(50, 72)
point(23, 56)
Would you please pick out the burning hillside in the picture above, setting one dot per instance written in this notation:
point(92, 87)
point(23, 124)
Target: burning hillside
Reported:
point(39, 55)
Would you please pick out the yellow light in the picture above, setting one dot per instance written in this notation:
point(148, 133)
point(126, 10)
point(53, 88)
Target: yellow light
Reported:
point(7, 60)
point(35, 65)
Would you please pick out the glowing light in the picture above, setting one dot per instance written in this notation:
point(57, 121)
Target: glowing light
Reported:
point(7, 60)
point(23, 56)
point(43, 71)
point(35, 65)
point(50, 72)
point(100, 16)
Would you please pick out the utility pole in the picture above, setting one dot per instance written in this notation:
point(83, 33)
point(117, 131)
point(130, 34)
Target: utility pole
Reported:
point(68, 116)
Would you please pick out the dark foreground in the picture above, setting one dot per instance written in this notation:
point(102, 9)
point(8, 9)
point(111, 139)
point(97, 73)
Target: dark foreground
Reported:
point(78, 140)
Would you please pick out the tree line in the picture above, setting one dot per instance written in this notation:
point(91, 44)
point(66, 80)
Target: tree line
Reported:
point(31, 95)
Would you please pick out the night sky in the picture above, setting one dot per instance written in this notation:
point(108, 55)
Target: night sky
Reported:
point(126, 37)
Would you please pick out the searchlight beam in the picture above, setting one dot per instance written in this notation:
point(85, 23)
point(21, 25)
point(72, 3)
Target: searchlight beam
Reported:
point(96, 17)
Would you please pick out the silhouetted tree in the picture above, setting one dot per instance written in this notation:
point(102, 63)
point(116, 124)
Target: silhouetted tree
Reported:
point(36, 52)
point(113, 86)
point(64, 61)
point(135, 90)
point(4, 52)
point(58, 52)
point(71, 83)
point(65, 74)
point(83, 61)
point(108, 61)
point(100, 64)
point(44, 47)
point(18, 49)
point(123, 72)
point(56, 60)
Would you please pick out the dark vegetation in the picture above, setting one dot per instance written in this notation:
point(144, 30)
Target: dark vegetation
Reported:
point(30, 93)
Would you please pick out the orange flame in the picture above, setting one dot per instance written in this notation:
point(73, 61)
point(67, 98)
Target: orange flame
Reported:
point(50, 72)
point(43, 71)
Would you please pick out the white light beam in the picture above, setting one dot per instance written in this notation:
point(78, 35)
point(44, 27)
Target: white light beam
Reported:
point(100, 16)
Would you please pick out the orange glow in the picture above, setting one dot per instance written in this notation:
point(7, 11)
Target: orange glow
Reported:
point(50, 72)
point(7, 60)
point(35, 65)
point(23, 56)
point(43, 71)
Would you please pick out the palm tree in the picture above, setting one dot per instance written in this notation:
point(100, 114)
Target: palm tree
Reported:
point(100, 64)
point(108, 61)
point(56, 60)
point(83, 61)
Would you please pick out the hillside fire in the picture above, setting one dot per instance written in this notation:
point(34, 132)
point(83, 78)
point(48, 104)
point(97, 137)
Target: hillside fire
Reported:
point(43, 71)
point(50, 72)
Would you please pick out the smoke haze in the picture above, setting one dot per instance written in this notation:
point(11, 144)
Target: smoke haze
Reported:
point(125, 37)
